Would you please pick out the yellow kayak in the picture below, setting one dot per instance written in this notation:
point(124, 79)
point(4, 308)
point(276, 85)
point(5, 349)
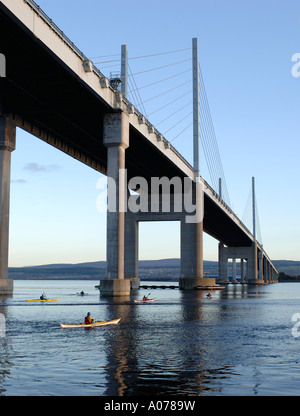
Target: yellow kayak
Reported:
point(42, 300)
point(100, 323)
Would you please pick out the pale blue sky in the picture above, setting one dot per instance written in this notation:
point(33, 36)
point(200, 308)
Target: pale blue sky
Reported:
point(245, 52)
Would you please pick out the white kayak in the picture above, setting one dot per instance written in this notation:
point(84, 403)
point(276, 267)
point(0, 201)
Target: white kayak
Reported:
point(42, 300)
point(99, 323)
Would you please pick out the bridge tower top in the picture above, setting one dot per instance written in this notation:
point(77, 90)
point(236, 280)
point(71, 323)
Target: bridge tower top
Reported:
point(196, 114)
point(253, 208)
point(124, 69)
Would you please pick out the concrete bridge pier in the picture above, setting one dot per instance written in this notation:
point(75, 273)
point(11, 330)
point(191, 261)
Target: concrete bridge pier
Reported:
point(269, 275)
point(260, 265)
point(116, 139)
point(161, 206)
point(131, 250)
point(223, 265)
point(7, 145)
point(243, 271)
point(191, 248)
point(274, 275)
point(191, 245)
point(254, 263)
point(265, 270)
point(234, 271)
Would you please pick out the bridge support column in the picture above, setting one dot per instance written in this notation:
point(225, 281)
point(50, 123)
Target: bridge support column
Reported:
point(242, 271)
point(234, 271)
point(254, 275)
point(7, 145)
point(223, 265)
point(191, 247)
point(271, 275)
point(266, 269)
point(260, 265)
point(131, 250)
point(116, 139)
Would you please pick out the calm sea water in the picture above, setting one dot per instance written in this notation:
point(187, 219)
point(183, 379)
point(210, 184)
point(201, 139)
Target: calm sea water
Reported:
point(239, 342)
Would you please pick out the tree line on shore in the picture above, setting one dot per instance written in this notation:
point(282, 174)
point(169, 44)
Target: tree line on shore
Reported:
point(283, 277)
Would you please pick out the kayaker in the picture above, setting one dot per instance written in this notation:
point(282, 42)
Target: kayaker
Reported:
point(146, 297)
point(43, 297)
point(82, 293)
point(88, 319)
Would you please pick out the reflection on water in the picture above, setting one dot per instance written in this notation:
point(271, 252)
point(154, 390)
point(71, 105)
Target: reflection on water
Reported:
point(237, 342)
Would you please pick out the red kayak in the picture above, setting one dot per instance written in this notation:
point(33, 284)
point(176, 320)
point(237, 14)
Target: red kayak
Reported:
point(144, 300)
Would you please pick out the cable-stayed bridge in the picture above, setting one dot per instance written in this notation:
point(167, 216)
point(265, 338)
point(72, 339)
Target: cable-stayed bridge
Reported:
point(53, 91)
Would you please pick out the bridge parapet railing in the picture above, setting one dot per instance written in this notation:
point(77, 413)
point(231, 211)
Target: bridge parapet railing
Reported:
point(71, 44)
point(218, 197)
point(59, 32)
point(148, 123)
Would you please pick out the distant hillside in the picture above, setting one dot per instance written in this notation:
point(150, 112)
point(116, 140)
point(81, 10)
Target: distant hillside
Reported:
point(102, 264)
point(289, 267)
point(148, 269)
point(168, 269)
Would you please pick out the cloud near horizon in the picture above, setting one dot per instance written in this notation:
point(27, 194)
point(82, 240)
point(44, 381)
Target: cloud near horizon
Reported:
point(18, 181)
point(35, 167)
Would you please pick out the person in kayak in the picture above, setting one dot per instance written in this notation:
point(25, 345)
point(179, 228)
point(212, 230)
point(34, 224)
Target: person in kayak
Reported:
point(88, 319)
point(43, 296)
